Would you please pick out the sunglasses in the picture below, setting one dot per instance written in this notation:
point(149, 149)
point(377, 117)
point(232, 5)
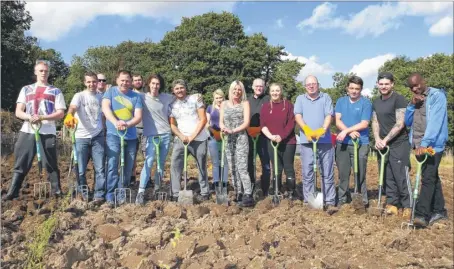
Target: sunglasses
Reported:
point(102, 80)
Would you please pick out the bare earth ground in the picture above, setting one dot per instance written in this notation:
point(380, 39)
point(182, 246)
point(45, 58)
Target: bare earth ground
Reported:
point(290, 235)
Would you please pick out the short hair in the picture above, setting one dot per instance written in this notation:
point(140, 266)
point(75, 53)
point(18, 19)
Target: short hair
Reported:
point(385, 75)
point(232, 87)
point(257, 80)
point(181, 82)
point(136, 75)
point(355, 80)
point(311, 76)
point(218, 92)
point(122, 72)
point(91, 74)
point(44, 62)
point(155, 76)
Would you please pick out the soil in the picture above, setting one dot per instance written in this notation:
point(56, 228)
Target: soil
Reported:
point(290, 235)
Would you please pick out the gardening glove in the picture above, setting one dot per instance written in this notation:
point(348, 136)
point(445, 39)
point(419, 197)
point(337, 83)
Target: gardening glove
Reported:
point(318, 133)
point(70, 122)
point(253, 131)
point(308, 132)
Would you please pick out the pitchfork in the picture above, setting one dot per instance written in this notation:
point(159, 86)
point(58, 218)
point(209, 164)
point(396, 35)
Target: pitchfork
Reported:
point(41, 187)
point(159, 195)
point(83, 189)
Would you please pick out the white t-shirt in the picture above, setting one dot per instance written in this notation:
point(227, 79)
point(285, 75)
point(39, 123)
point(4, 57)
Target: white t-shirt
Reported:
point(88, 114)
point(185, 113)
point(41, 100)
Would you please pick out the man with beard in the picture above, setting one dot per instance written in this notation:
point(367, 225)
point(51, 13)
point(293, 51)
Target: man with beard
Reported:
point(428, 118)
point(389, 130)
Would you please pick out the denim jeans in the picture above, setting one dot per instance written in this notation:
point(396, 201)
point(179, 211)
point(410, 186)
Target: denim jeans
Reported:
point(214, 148)
point(150, 158)
point(93, 147)
point(113, 161)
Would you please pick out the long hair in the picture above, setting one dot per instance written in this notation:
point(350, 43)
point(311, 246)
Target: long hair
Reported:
point(218, 92)
point(232, 87)
point(282, 95)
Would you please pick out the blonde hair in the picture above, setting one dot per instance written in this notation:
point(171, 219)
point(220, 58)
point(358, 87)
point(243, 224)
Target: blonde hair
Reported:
point(218, 92)
point(232, 87)
point(282, 95)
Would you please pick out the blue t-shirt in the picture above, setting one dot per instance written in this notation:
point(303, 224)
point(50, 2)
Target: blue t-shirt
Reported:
point(354, 113)
point(214, 117)
point(314, 113)
point(123, 106)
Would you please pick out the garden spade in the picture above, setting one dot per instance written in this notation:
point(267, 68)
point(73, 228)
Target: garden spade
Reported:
point(121, 193)
point(357, 197)
point(221, 189)
point(185, 197)
point(277, 197)
point(378, 210)
point(315, 200)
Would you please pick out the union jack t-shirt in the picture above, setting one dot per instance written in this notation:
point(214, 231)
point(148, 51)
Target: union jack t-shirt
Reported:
point(41, 100)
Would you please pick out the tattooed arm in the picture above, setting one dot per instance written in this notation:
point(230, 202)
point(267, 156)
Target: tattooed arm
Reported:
point(376, 131)
point(400, 124)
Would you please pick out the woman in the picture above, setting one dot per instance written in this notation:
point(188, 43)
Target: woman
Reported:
point(233, 121)
point(155, 124)
point(278, 124)
point(213, 140)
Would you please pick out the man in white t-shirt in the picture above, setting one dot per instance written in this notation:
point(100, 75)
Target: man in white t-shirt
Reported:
point(86, 107)
point(187, 121)
point(38, 103)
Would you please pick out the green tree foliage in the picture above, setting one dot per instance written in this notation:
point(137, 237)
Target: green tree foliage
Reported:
point(75, 80)
point(58, 68)
point(17, 67)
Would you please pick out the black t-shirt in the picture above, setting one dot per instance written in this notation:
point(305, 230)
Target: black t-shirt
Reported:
point(255, 107)
point(386, 116)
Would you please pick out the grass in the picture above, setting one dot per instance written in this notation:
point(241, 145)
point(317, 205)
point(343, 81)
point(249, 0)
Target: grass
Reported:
point(37, 246)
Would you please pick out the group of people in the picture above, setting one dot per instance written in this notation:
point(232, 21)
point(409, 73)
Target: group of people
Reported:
point(149, 119)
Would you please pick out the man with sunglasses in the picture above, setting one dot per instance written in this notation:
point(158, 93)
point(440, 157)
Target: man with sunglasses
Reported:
point(314, 111)
point(38, 104)
point(102, 83)
point(427, 116)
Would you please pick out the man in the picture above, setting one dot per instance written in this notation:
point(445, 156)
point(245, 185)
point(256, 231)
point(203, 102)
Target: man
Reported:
point(314, 111)
point(137, 84)
point(187, 121)
point(102, 83)
point(38, 104)
point(122, 108)
point(389, 130)
point(86, 107)
point(427, 116)
point(255, 102)
point(353, 113)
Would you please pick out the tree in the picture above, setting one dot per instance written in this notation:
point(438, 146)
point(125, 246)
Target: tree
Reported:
point(75, 81)
point(285, 74)
point(17, 68)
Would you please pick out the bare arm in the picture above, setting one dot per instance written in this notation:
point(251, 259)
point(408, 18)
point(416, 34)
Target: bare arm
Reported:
point(357, 127)
point(327, 122)
point(208, 116)
point(299, 120)
point(174, 128)
point(108, 112)
point(221, 116)
point(400, 124)
point(267, 132)
point(72, 109)
point(20, 112)
point(375, 126)
point(136, 119)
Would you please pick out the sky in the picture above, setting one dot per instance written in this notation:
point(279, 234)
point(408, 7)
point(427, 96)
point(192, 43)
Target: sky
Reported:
point(328, 37)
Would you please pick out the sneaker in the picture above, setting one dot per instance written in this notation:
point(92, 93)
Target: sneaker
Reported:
point(247, 200)
point(331, 209)
point(437, 217)
point(174, 199)
point(420, 222)
point(204, 198)
point(406, 213)
point(391, 210)
point(140, 198)
point(98, 201)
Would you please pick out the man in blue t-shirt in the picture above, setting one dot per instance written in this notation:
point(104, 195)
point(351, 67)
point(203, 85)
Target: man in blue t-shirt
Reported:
point(314, 110)
point(353, 113)
point(122, 108)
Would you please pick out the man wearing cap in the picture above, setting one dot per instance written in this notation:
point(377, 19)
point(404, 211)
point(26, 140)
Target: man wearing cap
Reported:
point(38, 104)
point(428, 118)
point(389, 130)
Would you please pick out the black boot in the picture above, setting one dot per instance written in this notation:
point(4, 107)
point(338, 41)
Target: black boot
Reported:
point(247, 201)
point(55, 185)
point(238, 197)
point(291, 187)
point(16, 183)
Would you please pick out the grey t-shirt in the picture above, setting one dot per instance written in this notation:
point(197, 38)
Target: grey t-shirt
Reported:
point(155, 117)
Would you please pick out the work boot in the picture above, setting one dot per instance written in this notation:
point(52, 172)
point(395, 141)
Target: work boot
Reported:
point(391, 210)
point(15, 185)
point(420, 222)
point(406, 213)
point(238, 197)
point(291, 187)
point(438, 217)
point(247, 201)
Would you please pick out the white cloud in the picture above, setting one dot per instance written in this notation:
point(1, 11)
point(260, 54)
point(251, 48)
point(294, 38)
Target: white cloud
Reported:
point(378, 18)
point(443, 27)
point(279, 24)
point(368, 68)
point(52, 20)
point(312, 67)
point(366, 92)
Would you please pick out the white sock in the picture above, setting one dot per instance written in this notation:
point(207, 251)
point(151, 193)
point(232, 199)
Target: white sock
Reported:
point(141, 190)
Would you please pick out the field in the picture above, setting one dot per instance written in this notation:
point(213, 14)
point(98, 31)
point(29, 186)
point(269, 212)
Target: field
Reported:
point(168, 235)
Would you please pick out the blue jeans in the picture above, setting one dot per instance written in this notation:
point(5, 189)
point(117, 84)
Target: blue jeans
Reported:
point(150, 158)
point(93, 147)
point(113, 161)
point(214, 148)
